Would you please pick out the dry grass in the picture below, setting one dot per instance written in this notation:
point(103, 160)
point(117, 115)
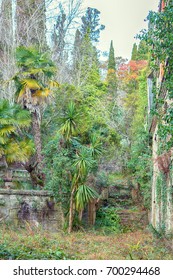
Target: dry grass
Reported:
point(93, 245)
point(131, 245)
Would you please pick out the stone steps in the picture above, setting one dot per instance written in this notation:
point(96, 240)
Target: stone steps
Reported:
point(131, 215)
point(133, 218)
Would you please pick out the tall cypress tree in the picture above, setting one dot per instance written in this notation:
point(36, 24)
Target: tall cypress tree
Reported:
point(111, 60)
point(86, 62)
point(76, 55)
point(134, 52)
point(143, 51)
point(111, 74)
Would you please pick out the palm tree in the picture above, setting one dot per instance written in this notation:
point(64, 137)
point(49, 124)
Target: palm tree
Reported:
point(13, 147)
point(81, 194)
point(69, 123)
point(34, 85)
point(83, 160)
point(95, 146)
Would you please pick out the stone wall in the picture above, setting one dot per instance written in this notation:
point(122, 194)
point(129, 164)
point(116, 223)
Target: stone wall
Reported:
point(35, 207)
point(162, 189)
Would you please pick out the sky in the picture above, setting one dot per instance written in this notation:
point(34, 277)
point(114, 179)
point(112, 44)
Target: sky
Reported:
point(123, 20)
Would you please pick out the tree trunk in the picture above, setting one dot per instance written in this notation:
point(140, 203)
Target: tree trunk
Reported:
point(37, 138)
point(71, 211)
point(80, 215)
point(38, 147)
point(92, 211)
point(35, 175)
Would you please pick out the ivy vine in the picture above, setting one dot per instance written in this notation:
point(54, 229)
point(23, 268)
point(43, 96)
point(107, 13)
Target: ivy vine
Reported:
point(159, 38)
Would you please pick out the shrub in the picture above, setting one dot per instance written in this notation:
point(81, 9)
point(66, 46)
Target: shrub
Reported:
point(35, 246)
point(18, 252)
point(108, 220)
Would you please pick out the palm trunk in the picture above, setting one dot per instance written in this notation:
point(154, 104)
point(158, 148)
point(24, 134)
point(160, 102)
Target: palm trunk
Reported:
point(37, 138)
point(35, 175)
point(80, 215)
point(38, 146)
point(71, 211)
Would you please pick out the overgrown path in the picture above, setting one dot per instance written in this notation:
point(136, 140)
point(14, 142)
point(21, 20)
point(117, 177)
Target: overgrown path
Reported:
point(31, 243)
point(130, 245)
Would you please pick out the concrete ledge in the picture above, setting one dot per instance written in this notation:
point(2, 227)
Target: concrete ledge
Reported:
point(25, 192)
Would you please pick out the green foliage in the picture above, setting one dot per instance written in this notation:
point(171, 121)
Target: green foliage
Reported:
point(57, 109)
point(140, 52)
point(33, 86)
point(111, 59)
point(141, 101)
point(111, 74)
point(108, 220)
point(86, 245)
point(33, 62)
point(27, 253)
point(159, 38)
point(102, 179)
point(143, 51)
point(71, 162)
point(83, 195)
point(13, 143)
point(136, 146)
point(95, 146)
point(58, 170)
point(134, 52)
point(161, 199)
point(33, 82)
point(140, 165)
point(32, 248)
point(83, 162)
point(92, 106)
point(87, 66)
point(90, 21)
point(68, 129)
point(13, 115)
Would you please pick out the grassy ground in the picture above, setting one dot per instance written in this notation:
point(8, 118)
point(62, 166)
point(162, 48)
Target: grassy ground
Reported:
point(90, 245)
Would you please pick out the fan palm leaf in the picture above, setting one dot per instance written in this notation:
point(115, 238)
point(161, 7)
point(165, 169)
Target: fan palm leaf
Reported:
point(33, 62)
point(13, 118)
point(53, 84)
point(3, 140)
point(30, 83)
point(17, 151)
point(36, 68)
point(6, 130)
point(45, 92)
point(22, 117)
